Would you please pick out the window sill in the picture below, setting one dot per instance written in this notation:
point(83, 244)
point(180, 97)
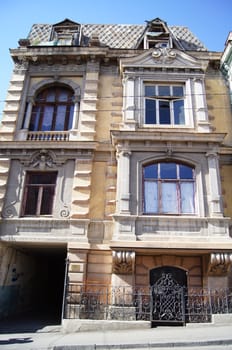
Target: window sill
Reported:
point(166, 126)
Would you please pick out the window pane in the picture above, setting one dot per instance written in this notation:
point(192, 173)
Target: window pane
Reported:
point(47, 118)
point(47, 201)
point(150, 197)
point(50, 96)
point(169, 198)
point(151, 171)
point(31, 200)
point(178, 91)
point(63, 96)
point(168, 171)
point(187, 198)
point(186, 172)
point(41, 97)
point(34, 123)
point(60, 118)
point(164, 112)
point(150, 90)
point(42, 178)
point(164, 90)
point(150, 116)
point(179, 117)
point(70, 120)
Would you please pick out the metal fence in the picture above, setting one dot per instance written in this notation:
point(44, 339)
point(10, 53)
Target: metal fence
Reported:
point(101, 302)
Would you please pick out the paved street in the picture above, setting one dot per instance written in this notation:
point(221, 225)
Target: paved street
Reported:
point(212, 337)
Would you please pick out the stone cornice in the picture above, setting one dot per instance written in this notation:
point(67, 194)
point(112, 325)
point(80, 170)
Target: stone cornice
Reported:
point(67, 54)
point(68, 150)
point(162, 246)
point(150, 137)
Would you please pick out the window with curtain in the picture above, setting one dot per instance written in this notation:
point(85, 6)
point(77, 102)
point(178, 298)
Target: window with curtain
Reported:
point(169, 188)
point(53, 110)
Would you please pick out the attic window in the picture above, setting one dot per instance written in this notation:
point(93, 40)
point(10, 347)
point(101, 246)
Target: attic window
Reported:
point(66, 33)
point(157, 35)
point(155, 39)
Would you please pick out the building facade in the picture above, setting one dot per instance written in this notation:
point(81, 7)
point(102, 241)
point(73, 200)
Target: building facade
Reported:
point(226, 63)
point(116, 159)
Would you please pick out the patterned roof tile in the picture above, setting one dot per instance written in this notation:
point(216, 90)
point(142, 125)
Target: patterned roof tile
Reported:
point(118, 36)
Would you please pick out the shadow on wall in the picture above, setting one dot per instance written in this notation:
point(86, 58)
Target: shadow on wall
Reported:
point(9, 296)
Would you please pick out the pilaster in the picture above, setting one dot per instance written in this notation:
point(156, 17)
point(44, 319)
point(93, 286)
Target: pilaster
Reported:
point(88, 107)
point(215, 205)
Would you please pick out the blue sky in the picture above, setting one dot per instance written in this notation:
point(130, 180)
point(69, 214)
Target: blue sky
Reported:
point(209, 20)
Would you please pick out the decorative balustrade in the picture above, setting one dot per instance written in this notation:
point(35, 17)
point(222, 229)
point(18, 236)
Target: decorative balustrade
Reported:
point(48, 136)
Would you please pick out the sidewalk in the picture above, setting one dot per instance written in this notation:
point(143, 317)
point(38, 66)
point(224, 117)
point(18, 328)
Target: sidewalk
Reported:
point(193, 336)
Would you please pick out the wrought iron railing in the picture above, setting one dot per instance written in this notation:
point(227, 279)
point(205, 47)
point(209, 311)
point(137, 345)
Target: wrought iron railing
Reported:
point(101, 302)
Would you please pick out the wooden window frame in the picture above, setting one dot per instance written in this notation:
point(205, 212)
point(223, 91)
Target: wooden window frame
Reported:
point(42, 102)
point(160, 195)
point(38, 189)
point(169, 99)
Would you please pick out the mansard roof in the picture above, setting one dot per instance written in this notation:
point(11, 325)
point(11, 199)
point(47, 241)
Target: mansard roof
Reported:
point(116, 36)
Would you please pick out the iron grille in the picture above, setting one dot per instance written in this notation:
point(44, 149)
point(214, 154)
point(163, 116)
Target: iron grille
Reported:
point(106, 302)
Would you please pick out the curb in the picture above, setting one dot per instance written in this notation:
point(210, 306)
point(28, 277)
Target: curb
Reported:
point(144, 345)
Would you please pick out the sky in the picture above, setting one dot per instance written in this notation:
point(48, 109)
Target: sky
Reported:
point(209, 20)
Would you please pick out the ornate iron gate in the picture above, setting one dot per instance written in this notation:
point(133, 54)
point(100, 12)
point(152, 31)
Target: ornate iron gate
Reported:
point(168, 296)
point(168, 301)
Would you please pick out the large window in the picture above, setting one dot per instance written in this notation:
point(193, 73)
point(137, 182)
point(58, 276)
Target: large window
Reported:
point(53, 110)
point(164, 105)
point(168, 188)
point(39, 193)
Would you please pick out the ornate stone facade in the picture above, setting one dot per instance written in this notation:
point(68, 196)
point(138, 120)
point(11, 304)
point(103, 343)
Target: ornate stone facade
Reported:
point(114, 209)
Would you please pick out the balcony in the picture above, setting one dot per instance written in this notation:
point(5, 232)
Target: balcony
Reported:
point(48, 136)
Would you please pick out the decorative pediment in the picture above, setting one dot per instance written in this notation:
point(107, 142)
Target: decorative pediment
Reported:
point(66, 23)
point(42, 160)
point(163, 58)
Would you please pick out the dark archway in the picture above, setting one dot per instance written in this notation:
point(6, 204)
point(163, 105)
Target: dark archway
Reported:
point(43, 292)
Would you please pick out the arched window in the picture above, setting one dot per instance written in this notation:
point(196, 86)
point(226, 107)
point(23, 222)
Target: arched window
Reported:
point(52, 110)
point(168, 188)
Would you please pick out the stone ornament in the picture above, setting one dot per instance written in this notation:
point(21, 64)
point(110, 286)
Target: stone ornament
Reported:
point(123, 262)
point(220, 263)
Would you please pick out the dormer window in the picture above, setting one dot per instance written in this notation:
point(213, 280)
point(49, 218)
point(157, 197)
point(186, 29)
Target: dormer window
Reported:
point(66, 33)
point(157, 35)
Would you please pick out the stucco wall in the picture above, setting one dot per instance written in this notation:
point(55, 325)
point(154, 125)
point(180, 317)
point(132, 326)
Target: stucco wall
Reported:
point(218, 104)
point(226, 176)
point(17, 275)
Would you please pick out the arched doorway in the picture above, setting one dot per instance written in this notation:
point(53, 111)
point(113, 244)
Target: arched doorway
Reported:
point(169, 290)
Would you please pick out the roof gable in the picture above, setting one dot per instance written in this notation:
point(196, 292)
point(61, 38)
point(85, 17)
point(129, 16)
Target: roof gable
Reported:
point(66, 23)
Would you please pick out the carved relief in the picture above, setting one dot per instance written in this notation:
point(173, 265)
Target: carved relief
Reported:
point(219, 263)
point(123, 262)
point(42, 160)
point(164, 54)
